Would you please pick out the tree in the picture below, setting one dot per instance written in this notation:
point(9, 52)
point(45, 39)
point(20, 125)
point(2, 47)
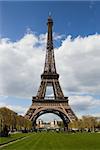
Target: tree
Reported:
point(11, 121)
point(90, 122)
point(86, 123)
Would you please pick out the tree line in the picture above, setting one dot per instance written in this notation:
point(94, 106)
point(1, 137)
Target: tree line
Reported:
point(11, 121)
point(86, 123)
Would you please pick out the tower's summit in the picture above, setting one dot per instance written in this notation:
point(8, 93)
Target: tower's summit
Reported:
point(50, 60)
point(50, 76)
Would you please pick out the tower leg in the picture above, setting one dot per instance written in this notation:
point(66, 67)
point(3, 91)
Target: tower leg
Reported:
point(66, 128)
point(34, 126)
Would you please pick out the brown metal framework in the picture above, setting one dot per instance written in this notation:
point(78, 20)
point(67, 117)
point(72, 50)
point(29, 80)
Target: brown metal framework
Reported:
point(58, 104)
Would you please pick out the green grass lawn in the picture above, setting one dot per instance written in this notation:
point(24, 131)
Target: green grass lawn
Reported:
point(57, 141)
point(12, 137)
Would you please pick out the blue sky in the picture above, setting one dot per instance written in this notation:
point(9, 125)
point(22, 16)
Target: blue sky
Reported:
point(75, 18)
point(78, 19)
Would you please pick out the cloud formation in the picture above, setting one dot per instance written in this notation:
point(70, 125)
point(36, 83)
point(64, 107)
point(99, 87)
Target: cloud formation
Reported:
point(21, 63)
point(80, 64)
point(77, 61)
point(17, 108)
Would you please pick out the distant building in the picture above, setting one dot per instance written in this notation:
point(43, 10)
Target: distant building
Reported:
point(40, 123)
point(52, 124)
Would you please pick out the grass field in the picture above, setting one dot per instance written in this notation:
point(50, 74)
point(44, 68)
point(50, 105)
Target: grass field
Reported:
point(12, 137)
point(57, 141)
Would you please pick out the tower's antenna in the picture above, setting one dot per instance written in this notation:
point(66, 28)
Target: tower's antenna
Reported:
point(50, 13)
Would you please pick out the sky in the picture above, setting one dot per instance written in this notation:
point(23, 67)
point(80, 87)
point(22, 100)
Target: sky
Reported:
point(76, 34)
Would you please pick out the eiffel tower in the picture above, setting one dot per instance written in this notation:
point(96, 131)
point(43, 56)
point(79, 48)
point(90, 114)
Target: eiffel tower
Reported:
point(50, 78)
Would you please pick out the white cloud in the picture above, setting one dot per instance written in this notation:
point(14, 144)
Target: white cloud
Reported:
point(49, 117)
point(83, 103)
point(16, 108)
point(2, 104)
point(21, 64)
point(77, 61)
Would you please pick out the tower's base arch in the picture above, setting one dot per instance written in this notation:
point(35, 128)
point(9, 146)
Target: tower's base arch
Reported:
point(63, 116)
point(58, 107)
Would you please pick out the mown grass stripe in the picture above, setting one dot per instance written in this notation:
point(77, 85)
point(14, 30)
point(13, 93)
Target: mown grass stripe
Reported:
point(57, 141)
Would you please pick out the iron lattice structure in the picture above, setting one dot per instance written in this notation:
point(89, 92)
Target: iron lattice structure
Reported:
point(59, 103)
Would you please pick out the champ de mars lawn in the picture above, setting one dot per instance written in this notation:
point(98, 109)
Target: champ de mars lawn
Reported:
point(54, 141)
